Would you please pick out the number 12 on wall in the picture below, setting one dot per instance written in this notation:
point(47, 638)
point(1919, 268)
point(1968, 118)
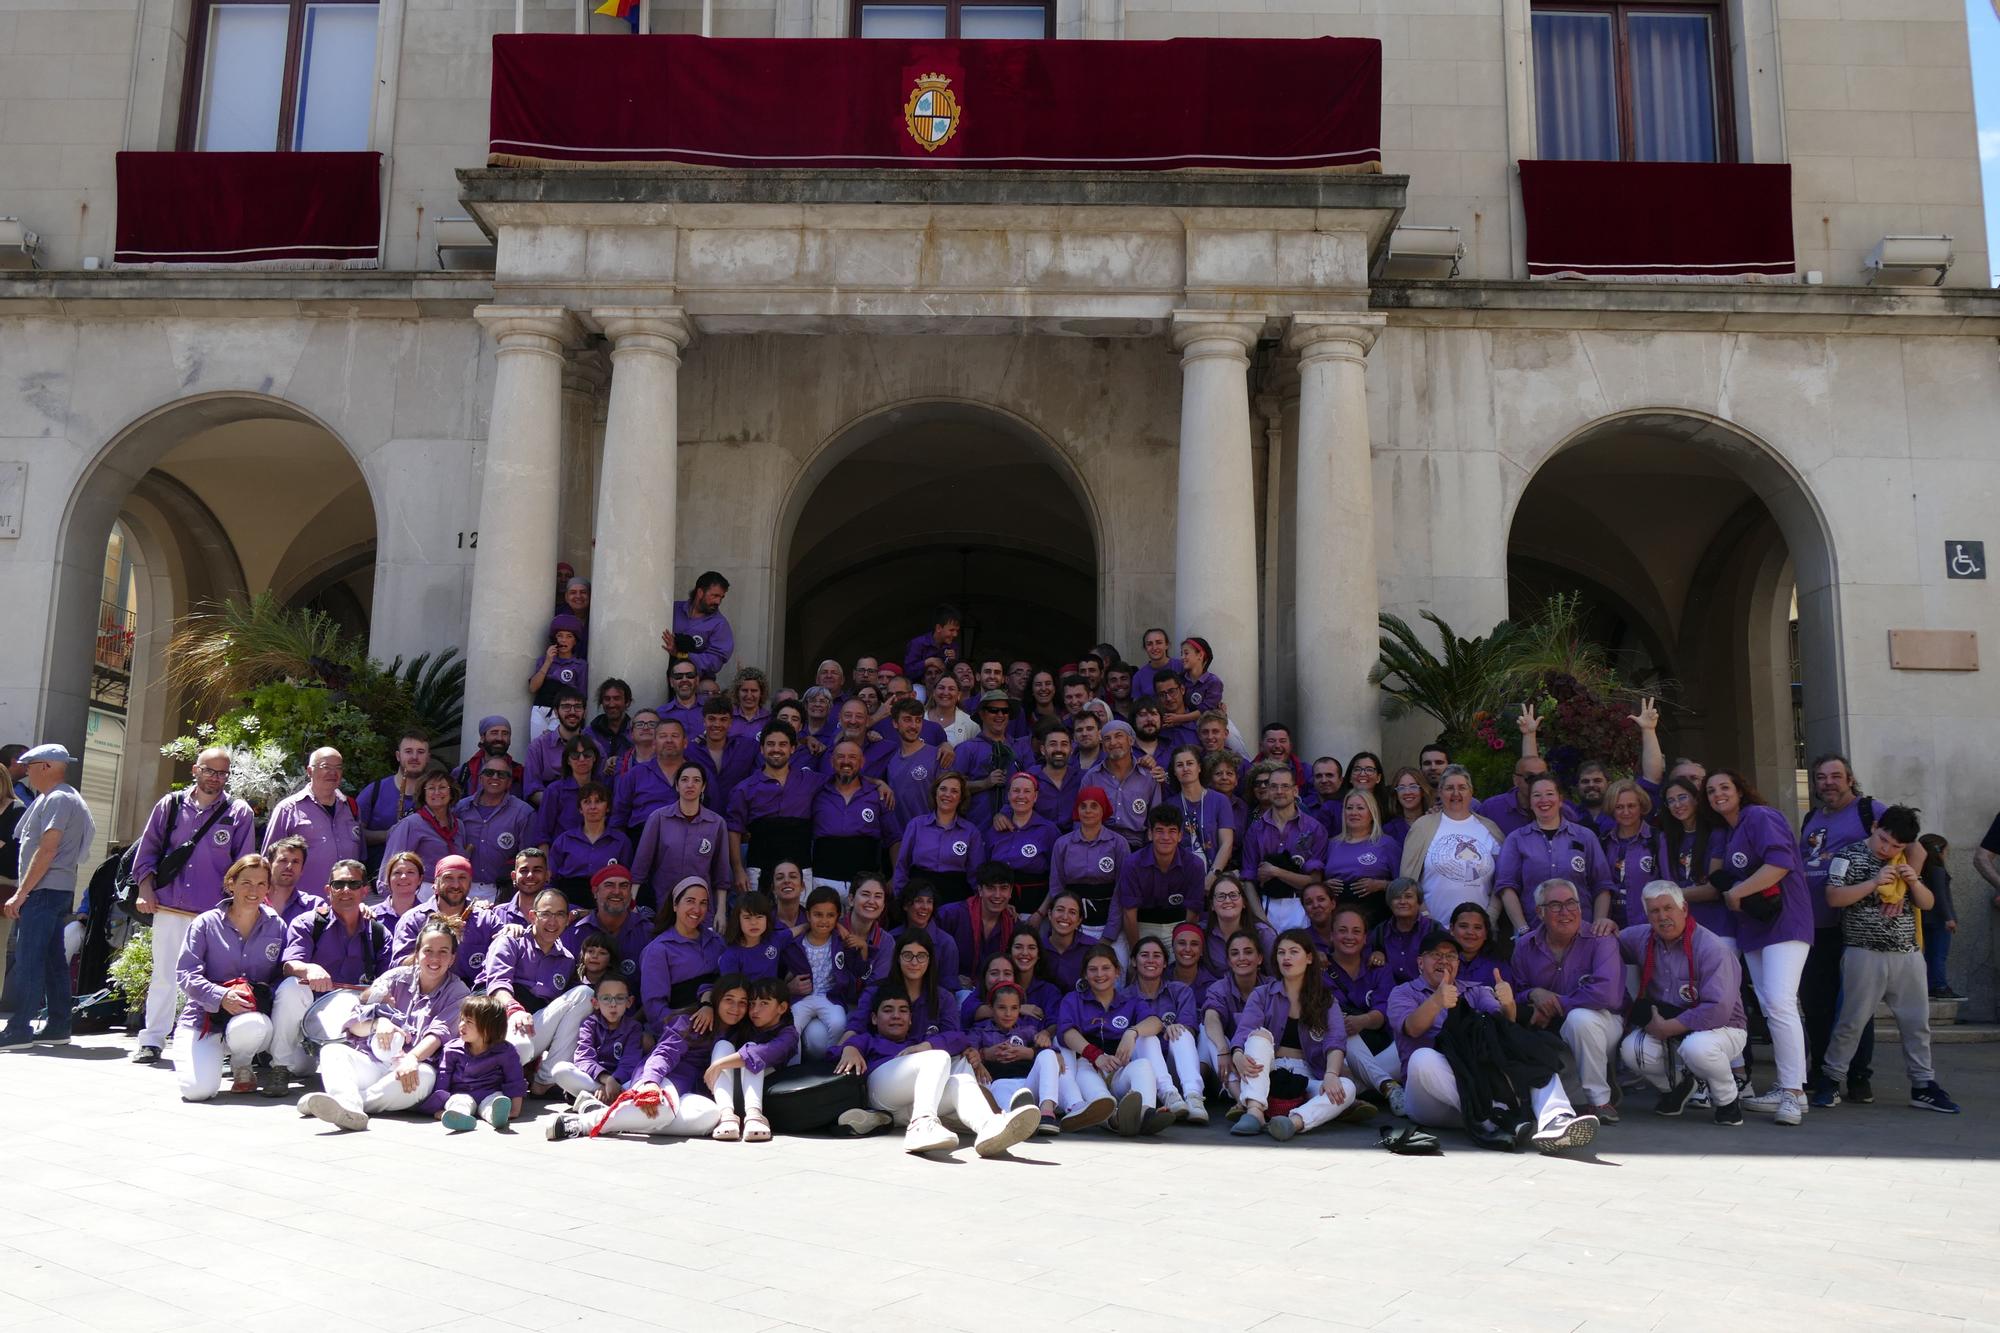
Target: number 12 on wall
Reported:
point(468, 541)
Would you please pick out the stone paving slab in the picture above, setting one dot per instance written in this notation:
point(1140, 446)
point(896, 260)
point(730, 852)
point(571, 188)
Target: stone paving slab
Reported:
point(123, 1208)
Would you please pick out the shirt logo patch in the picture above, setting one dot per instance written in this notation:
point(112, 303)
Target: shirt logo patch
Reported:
point(1646, 865)
point(867, 814)
point(1688, 993)
point(706, 847)
point(506, 841)
point(960, 848)
point(1029, 849)
point(558, 979)
point(700, 640)
point(770, 951)
point(628, 966)
point(840, 962)
point(1138, 805)
point(272, 950)
point(478, 958)
point(1740, 860)
point(1105, 864)
point(1576, 864)
point(919, 772)
point(222, 836)
point(1173, 900)
point(1367, 858)
point(1119, 1022)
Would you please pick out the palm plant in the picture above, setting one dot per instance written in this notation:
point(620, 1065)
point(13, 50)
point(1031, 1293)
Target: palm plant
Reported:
point(1452, 686)
point(226, 651)
point(436, 690)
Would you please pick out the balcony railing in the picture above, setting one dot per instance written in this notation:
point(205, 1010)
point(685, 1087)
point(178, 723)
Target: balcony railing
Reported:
point(117, 628)
point(1659, 221)
point(249, 210)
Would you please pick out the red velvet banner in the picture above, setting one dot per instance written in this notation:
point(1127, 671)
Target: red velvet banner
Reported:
point(1311, 105)
point(1658, 219)
point(292, 210)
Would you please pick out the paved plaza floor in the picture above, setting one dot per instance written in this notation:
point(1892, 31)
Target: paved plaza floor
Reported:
point(123, 1209)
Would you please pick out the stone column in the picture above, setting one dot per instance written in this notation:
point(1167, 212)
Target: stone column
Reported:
point(632, 593)
point(513, 576)
point(584, 376)
point(1338, 601)
point(1215, 541)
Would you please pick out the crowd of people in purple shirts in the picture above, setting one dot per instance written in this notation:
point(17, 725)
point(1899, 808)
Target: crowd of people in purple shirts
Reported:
point(969, 895)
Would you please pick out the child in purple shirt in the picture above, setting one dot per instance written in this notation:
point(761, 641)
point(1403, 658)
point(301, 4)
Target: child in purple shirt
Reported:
point(479, 1075)
point(763, 1041)
point(754, 945)
point(559, 668)
point(609, 1046)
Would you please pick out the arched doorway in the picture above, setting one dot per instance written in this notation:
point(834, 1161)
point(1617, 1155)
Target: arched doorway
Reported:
point(1705, 567)
point(205, 501)
point(935, 503)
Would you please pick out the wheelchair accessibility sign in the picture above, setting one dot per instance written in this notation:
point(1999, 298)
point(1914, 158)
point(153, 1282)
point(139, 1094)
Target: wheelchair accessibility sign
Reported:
point(1965, 560)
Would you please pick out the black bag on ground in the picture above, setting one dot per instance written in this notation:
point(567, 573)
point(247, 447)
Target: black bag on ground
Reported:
point(809, 1097)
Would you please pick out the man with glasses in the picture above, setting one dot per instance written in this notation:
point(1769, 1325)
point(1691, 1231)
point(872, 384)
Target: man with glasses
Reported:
point(648, 783)
point(340, 946)
point(1573, 982)
point(1688, 1023)
point(322, 815)
point(987, 760)
point(191, 838)
point(684, 701)
point(493, 824)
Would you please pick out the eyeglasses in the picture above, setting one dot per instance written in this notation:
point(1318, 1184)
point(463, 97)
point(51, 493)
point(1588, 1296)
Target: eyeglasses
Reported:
point(644, 726)
point(614, 999)
point(913, 956)
point(1408, 786)
point(492, 774)
point(349, 884)
point(222, 772)
point(558, 914)
point(1562, 905)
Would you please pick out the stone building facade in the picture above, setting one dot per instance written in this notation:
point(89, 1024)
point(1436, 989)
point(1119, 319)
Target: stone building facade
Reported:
point(1084, 405)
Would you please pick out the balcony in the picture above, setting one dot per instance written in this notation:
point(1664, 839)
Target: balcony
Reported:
point(1659, 221)
point(111, 660)
point(249, 210)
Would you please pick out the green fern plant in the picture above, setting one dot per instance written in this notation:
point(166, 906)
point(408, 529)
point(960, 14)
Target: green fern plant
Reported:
point(436, 690)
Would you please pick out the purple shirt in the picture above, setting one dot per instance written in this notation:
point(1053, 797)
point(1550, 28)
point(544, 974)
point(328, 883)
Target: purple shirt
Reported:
point(1056, 801)
point(1202, 821)
point(940, 1028)
point(1269, 1008)
point(1203, 693)
point(923, 646)
point(618, 1051)
point(481, 924)
point(350, 957)
point(1215, 945)
point(640, 790)
point(1709, 995)
point(1159, 896)
point(573, 672)
point(1506, 812)
point(175, 819)
point(679, 1059)
point(1634, 863)
point(1102, 1025)
point(1762, 837)
point(909, 777)
point(974, 947)
point(755, 961)
point(574, 856)
point(714, 641)
point(491, 834)
point(297, 905)
point(1066, 965)
point(1689, 868)
point(856, 815)
point(675, 846)
point(1589, 975)
point(534, 976)
point(1026, 851)
point(1174, 1003)
point(215, 954)
point(543, 765)
point(1821, 836)
point(768, 1048)
point(740, 758)
point(1225, 1001)
point(495, 1069)
point(977, 758)
point(1411, 996)
point(1019, 1038)
point(931, 848)
point(1346, 861)
point(415, 834)
point(628, 942)
point(397, 997)
point(1304, 838)
point(1366, 990)
point(381, 804)
point(1531, 855)
point(676, 972)
point(1131, 797)
point(846, 971)
point(558, 813)
point(944, 956)
point(1076, 861)
point(1399, 948)
point(1145, 679)
point(331, 833)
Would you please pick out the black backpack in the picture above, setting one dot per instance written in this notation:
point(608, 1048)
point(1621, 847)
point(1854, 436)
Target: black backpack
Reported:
point(371, 928)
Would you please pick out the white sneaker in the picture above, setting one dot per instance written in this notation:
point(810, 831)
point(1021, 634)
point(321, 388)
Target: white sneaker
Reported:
point(928, 1134)
point(1791, 1109)
point(1765, 1103)
point(1022, 1097)
point(325, 1106)
point(1171, 1100)
point(1398, 1100)
point(1566, 1131)
point(1197, 1111)
point(1005, 1130)
point(862, 1121)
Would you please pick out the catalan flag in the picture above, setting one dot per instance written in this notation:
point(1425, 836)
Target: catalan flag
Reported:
point(622, 9)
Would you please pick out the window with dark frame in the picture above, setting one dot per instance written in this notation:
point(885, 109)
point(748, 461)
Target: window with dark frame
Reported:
point(971, 19)
point(284, 75)
point(1632, 81)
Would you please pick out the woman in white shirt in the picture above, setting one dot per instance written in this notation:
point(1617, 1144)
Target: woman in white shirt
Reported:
point(1452, 852)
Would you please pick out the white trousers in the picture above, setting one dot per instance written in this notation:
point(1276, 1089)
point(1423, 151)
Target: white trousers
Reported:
point(1044, 1080)
point(749, 1083)
point(1318, 1107)
point(820, 1022)
point(912, 1087)
point(1081, 1084)
point(839, 886)
point(1432, 1093)
point(556, 1026)
point(1707, 1055)
point(1285, 913)
point(170, 932)
point(198, 1060)
point(569, 1077)
point(1183, 1054)
point(364, 1083)
point(1592, 1035)
point(694, 1117)
point(1374, 1069)
point(288, 1015)
point(1774, 974)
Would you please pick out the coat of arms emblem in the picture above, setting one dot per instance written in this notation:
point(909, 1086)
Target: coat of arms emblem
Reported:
point(931, 113)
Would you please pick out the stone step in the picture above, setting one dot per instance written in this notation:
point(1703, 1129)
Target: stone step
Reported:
point(1957, 1034)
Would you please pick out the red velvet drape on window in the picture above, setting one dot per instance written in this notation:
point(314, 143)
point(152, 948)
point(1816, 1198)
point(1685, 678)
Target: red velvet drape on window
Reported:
point(292, 210)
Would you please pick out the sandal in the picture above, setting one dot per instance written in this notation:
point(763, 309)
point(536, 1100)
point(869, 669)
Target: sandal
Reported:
point(756, 1129)
point(727, 1130)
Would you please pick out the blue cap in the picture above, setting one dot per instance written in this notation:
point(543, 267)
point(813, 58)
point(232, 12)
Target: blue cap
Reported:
point(52, 753)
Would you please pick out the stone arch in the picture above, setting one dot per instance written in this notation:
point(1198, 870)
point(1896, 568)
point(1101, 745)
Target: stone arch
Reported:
point(1706, 529)
point(883, 424)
